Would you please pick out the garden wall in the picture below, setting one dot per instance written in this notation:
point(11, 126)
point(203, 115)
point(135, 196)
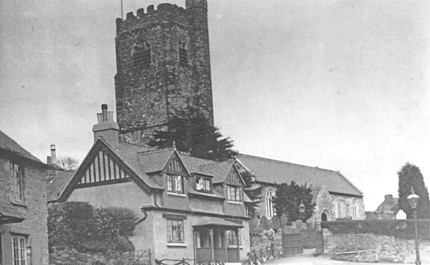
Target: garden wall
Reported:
point(374, 248)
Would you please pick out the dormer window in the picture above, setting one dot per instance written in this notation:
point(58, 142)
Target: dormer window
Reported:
point(234, 193)
point(183, 53)
point(203, 184)
point(175, 184)
point(142, 55)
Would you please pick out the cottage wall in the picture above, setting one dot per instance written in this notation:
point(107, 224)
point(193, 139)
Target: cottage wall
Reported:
point(163, 250)
point(35, 211)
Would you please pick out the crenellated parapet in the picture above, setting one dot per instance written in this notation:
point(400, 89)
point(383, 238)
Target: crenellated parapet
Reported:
point(164, 13)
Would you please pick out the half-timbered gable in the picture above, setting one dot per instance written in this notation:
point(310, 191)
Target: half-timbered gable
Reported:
point(233, 177)
point(176, 166)
point(105, 165)
point(103, 170)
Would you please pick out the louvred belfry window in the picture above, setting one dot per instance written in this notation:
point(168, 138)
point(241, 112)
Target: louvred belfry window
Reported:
point(142, 56)
point(183, 53)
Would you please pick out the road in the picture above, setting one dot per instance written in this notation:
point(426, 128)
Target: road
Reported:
point(322, 260)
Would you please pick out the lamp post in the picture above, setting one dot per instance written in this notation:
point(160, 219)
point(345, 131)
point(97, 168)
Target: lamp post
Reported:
point(413, 201)
point(302, 210)
point(301, 207)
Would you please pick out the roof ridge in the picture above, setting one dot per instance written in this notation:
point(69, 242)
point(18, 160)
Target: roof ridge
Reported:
point(217, 162)
point(285, 162)
point(139, 145)
point(156, 150)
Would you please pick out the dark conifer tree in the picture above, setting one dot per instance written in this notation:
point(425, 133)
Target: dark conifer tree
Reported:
point(410, 177)
point(192, 132)
point(288, 199)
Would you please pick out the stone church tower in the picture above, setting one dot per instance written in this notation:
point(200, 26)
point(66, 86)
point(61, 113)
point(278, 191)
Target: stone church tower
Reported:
point(163, 64)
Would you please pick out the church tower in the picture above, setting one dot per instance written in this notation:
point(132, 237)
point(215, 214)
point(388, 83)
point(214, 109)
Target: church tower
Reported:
point(163, 65)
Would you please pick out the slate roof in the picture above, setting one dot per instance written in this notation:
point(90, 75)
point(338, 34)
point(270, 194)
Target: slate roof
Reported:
point(155, 161)
point(57, 185)
point(193, 163)
point(128, 154)
point(219, 170)
point(7, 143)
point(275, 171)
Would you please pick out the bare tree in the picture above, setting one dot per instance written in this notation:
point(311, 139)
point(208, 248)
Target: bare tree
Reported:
point(67, 163)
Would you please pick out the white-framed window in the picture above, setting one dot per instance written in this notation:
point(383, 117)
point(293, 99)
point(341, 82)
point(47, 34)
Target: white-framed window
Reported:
point(175, 184)
point(231, 238)
point(234, 193)
point(17, 183)
point(175, 231)
point(19, 247)
point(270, 210)
point(203, 184)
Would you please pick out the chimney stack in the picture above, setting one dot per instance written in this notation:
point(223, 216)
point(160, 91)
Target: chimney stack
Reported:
point(53, 154)
point(52, 160)
point(106, 128)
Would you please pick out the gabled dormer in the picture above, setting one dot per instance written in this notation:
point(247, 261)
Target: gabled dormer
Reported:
point(166, 166)
point(226, 178)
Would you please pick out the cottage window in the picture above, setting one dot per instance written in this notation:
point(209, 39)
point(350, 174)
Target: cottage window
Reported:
point(17, 183)
point(175, 231)
point(175, 184)
point(19, 244)
point(231, 236)
point(233, 193)
point(203, 184)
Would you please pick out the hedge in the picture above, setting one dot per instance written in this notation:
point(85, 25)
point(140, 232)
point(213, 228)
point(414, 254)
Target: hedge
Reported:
point(80, 226)
point(396, 228)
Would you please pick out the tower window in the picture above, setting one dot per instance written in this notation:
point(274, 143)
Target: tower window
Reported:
point(142, 56)
point(183, 53)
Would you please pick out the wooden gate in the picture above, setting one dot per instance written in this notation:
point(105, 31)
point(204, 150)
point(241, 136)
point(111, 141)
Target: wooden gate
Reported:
point(292, 243)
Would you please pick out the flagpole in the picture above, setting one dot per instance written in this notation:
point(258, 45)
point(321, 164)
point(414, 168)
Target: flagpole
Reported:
point(122, 11)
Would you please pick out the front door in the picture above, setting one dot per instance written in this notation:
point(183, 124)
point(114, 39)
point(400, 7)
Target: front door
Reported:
point(210, 245)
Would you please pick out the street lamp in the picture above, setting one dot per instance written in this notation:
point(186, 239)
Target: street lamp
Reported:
point(301, 207)
point(413, 201)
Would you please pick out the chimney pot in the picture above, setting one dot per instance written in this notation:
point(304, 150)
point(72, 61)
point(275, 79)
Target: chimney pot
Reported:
point(106, 127)
point(53, 159)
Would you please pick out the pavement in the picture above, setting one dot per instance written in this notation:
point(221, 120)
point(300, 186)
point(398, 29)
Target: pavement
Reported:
point(308, 259)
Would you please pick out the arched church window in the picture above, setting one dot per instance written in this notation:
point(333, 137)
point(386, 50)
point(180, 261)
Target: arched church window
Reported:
point(270, 210)
point(142, 55)
point(336, 207)
point(183, 53)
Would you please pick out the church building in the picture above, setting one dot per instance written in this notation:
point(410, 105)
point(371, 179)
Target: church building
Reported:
point(189, 207)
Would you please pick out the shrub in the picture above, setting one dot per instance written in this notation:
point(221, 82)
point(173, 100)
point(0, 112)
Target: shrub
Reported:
point(396, 228)
point(78, 225)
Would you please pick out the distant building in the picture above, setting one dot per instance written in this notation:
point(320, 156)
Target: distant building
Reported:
point(23, 207)
point(188, 207)
point(388, 209)
point(335, 196)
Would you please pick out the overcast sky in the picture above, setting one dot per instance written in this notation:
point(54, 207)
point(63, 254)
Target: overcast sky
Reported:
point(342, 85)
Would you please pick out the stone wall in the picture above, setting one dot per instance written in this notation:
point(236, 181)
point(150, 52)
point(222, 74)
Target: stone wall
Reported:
point(34, 210)
point(373, 248)
point(71, 256)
